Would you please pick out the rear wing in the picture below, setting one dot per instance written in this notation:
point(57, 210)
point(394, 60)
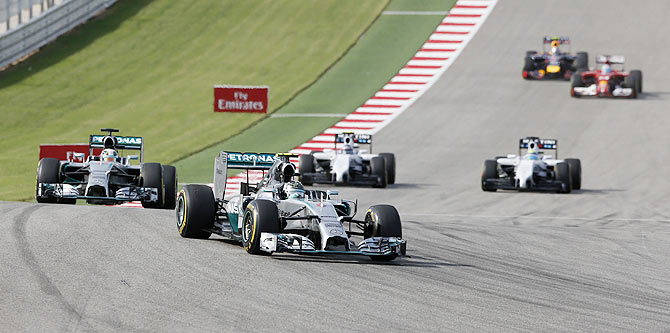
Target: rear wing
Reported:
point(610, 59)
point(240, 161)
point(351, 138)
point(559, 39)
point(543, 144)
point(116, 142)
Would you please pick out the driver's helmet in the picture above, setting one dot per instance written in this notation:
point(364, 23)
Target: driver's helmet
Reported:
point(554, 47)
point(109, 155)
point(294, 190)
point(348, 149)
point(606, 69)
point(533, 153)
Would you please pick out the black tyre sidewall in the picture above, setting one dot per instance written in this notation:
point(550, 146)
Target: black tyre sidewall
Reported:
point(170, 183)
point(264, 217)
point(151, 175)
point(378, 168)
point(383, 221)
point(389, 160)
point(48, 171)
point(199, 211)
point(563, 174)
point(306, 165)
point(575, 172)
point(489, 170)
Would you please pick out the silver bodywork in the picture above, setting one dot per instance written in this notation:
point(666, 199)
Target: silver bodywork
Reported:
point(526, 169)
point(314, 223)
point(343, 164)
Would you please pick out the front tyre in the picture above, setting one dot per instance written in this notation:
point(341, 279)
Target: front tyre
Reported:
point(389, 159)
point(260, 216)
point(48, 172)
point(489, 171)
point(378, 168)
point(562, 171)
point(196, 210)
point(575, 172)
point(382, 221)
point(151, 175)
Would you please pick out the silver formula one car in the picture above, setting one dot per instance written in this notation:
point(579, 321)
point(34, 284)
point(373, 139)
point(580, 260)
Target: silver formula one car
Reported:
point(348, 165)
point(279, 215)
point(107, 178)
point(533, 170)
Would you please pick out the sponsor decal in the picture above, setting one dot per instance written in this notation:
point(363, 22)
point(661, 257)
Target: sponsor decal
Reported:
point(251, 158)
point(120, 140)
point(241, 99)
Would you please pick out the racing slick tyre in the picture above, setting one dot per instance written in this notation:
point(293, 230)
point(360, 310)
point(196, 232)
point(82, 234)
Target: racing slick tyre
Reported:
point(48, 171)
point(378, 168)
point(389, 159)
point(562, 171)
point(530, 53)
point(259, 216)
point(528, 66)
point(576, 81)
point(306, 165)
point(382, 221)
point(170, 182)
point(196, 210)
point(575, 172)
point(637, 80)
point(489, 171)
point(151, 175)
point(582, 62)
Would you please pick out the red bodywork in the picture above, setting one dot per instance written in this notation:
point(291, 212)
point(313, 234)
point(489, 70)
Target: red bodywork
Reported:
point(604, 82)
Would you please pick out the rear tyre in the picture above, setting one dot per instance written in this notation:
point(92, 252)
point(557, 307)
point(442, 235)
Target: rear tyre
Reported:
point(582, 62)
point(530, 53)
point(48, 171)
point(151, 175)
point(528, 66)
point(382, 221)
point(196, 210)
point(637, 80)
point(576, 82)
point(170, 182)
point(575, 172)
point(489, 171)
point(389, 159)
point(378, 168)
point(306, 165)
point(260, 216)
point(562, 171)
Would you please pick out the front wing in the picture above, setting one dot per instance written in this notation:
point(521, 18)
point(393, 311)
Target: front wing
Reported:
point(375, 246)
point(325, 178)
point(67, 191)
point(547, 185)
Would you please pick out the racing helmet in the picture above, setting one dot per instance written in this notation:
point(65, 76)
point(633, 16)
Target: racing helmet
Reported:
point(294, 190)
point(554, 47)
point(109, 155)
point(348, 149)
point(606, 69)
point(532, 151)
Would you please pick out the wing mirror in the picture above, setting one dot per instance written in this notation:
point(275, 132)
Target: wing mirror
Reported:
point(332, 192)
point(133, 157)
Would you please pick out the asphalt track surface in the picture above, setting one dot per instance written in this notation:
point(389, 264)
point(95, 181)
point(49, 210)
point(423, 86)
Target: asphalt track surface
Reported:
point(593, 260)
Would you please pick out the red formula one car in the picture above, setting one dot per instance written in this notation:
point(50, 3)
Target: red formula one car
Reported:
point(607, 82)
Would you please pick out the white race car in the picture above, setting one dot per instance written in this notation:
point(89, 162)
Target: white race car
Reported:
point(533, 170)
point(348, 165)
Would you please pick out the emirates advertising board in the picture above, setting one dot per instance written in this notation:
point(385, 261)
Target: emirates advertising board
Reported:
point(241, 98)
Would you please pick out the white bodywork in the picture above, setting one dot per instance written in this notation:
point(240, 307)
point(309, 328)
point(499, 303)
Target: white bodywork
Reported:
point(592, 90)
point(525, 167)
point(342, 162)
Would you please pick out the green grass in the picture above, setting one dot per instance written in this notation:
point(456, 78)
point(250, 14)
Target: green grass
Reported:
point(148, 67)
point(389, 43)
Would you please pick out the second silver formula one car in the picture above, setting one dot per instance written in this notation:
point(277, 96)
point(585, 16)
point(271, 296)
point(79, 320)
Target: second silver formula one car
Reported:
point(279, 215)
point(107, 178)
point(533, 170)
